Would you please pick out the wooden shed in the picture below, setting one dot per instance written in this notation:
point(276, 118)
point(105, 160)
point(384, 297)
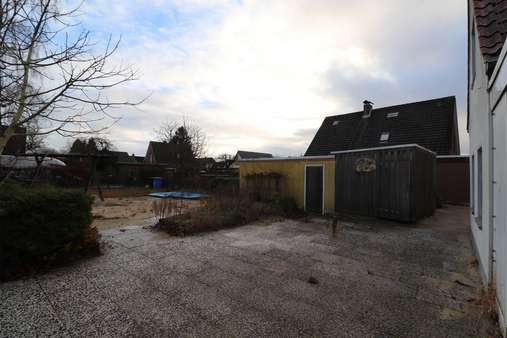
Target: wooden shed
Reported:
point(396, 182)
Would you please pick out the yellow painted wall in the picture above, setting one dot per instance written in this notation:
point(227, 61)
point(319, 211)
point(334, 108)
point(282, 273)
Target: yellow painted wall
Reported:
point(293, 180)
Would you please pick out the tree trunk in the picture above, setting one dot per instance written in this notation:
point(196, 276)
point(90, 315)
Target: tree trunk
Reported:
point(4, 139)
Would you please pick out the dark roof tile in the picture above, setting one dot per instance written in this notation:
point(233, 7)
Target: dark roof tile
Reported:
point(431, 124)
point(491, 21)
point(167, 153)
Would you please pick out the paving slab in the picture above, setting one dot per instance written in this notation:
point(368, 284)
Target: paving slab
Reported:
point(371, 279)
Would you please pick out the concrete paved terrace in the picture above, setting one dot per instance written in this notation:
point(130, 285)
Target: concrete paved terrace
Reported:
point(374, 280)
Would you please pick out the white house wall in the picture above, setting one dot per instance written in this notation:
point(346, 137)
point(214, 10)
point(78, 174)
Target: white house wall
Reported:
point(479, 139)
point(498, 103)
point(488, 131)
point(500, 204)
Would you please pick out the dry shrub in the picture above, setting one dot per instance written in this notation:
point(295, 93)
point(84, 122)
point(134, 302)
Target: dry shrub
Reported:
point(162, 208)
point(221, 211)
point(487, 303)
point(166, 207)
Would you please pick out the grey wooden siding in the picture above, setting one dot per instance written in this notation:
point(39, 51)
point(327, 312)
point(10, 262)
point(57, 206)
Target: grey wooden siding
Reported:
point(399, 184)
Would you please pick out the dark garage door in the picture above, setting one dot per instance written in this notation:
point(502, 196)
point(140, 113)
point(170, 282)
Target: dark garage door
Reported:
point(314, 189)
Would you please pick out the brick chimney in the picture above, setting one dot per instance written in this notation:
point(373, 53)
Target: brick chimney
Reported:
point(367, 108)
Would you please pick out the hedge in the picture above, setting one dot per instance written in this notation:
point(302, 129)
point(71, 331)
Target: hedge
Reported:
point(43, 225)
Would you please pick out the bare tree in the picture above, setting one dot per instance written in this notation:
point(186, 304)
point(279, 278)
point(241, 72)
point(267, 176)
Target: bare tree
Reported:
point(49, 72)
point(198, 141)
point(165, 132)
point(34, 140)
point(198, 138)
point(225, 157)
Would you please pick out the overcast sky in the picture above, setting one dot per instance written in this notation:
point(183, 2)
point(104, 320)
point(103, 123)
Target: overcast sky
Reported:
point(261, 75)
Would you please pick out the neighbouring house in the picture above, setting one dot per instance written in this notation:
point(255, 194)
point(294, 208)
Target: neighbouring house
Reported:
point(121, 168)
point(206, 163)
point(17, 143)
point(222, 165)
point(487, 127)
point(122, 156)
point(247, 155)
point(169, 154)
point(432, 124)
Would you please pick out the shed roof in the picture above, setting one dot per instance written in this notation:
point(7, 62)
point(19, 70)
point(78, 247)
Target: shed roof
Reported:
point(430, 124)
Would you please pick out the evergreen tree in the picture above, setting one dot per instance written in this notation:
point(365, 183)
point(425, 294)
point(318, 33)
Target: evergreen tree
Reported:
point(182, 138)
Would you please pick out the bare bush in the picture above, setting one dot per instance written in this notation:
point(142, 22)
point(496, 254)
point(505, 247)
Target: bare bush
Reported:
point(167, 207)
point(224, 211)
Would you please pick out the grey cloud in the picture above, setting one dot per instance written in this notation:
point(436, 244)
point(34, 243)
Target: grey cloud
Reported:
point(427, 58)
point(305, 133)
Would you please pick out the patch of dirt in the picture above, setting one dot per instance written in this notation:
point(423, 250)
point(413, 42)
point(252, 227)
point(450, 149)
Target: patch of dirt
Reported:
point(121, 211)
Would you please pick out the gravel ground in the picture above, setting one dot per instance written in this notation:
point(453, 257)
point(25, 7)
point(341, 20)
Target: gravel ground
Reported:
point(372, 279)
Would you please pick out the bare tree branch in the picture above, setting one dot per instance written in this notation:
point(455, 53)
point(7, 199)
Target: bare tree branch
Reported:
point(52, 77)
point(166, 131)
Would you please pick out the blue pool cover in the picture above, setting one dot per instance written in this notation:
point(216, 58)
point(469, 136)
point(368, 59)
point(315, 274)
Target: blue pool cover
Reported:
point(179, 194)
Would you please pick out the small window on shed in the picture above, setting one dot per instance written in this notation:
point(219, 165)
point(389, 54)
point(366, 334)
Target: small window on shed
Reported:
point(336, 122)
point(393, 114)
point(384, 137)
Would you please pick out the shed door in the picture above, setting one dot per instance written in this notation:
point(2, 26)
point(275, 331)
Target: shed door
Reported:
point(314, 189)
point(393, 194)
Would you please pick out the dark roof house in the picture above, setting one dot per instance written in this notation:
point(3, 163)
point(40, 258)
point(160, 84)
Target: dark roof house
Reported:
point(243, 155)
point(17, 143)
point(491, 21)
point(169, 154)
point(122, 156)
point(206, 162)
point(431, 124)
